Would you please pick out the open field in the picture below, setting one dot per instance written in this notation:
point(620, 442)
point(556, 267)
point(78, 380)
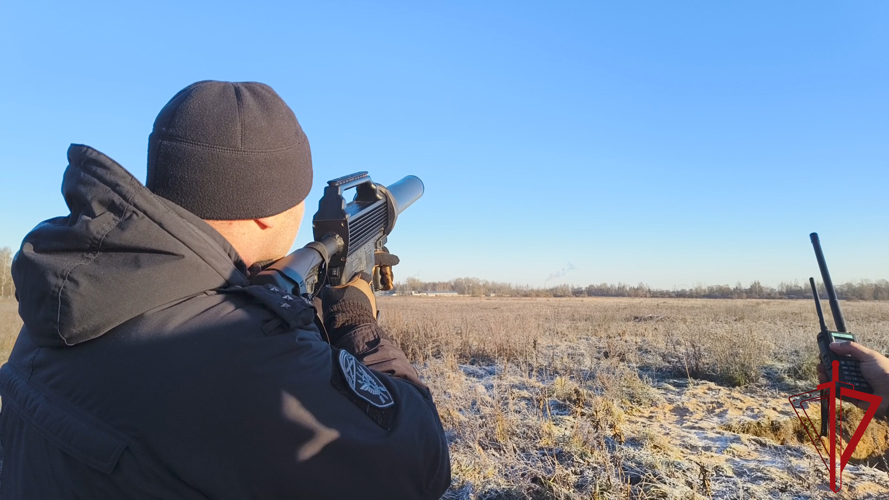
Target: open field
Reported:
point(624, 398)
point(630, 398)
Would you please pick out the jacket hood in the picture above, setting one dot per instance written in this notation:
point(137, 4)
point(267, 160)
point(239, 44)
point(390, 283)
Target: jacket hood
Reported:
point(122, 251)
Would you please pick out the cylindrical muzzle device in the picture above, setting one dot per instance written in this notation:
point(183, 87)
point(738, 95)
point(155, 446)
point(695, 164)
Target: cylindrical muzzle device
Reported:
point(401, 195)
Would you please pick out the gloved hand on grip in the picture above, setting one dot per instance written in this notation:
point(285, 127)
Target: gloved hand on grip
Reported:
point(383, 262)
point(349, 315)
point(345, 307)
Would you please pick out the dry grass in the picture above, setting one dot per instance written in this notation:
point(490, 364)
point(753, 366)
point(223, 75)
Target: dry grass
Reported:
point(728, 341)
point(10, 323)
point(536, 393)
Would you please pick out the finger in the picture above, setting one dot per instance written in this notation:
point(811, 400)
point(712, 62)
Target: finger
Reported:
point(377, 283)
point(853, 349)
point(387, 280)
point(820, 368)
point(385, 259)
point(822, 378)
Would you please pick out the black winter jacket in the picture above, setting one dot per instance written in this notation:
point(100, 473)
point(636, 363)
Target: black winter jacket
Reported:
point(149, 367)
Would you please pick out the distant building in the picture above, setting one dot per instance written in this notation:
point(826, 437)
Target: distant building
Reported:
point(435, 294)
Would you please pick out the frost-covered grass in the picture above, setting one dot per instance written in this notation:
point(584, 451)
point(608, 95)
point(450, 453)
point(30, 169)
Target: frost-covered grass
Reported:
point(624, 398)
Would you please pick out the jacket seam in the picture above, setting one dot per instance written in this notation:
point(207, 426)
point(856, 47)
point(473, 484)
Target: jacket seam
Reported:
point(96, 253)
point(31, 363)
point(71, 267)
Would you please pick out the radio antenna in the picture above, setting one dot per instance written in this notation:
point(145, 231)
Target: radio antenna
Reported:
point(818, 305)
point(828, 284)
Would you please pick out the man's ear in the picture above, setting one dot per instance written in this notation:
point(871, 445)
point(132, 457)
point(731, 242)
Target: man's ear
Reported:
point(265, 222)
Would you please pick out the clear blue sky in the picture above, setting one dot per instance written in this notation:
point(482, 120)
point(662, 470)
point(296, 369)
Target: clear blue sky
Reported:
point(672, 143)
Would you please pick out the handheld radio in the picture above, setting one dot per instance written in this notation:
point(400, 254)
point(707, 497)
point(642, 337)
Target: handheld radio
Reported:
point(850, 372)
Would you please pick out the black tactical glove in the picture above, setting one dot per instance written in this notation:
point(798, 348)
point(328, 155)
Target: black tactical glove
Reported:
point(383, 262)
point(347, 307)
point(349, 315)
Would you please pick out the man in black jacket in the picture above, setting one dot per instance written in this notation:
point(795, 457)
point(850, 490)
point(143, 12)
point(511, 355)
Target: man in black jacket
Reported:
point(148, 365)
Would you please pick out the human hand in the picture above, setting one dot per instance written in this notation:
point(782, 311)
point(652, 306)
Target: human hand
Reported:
point(347, 306)
point(383, 261)
point(874, 367)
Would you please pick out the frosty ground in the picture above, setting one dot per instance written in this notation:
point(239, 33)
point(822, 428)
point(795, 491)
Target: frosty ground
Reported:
point(631, 398)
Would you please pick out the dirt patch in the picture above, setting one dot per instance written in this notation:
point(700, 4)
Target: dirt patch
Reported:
point(872, 449)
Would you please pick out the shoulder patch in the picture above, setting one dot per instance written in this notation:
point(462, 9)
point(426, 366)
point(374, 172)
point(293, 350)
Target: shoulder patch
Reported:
point(363, 382)
point(363, 388)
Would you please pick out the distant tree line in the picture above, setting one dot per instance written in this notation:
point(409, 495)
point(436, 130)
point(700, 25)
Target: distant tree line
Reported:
point(863, 290)
point(7, 287)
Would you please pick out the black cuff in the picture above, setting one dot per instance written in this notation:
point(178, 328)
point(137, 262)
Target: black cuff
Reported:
point(360, 340)
point(343, 317)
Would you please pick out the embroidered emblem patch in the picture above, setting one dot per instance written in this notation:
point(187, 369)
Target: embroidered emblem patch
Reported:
point(363, 382)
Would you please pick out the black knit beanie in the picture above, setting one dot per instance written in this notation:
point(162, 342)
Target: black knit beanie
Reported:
point(229, 151)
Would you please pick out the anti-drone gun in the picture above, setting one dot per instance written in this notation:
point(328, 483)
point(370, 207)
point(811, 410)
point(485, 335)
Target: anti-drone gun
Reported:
point(347, 235)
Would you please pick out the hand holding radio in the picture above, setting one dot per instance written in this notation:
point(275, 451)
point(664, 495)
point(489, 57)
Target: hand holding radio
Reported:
point(874, 367)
